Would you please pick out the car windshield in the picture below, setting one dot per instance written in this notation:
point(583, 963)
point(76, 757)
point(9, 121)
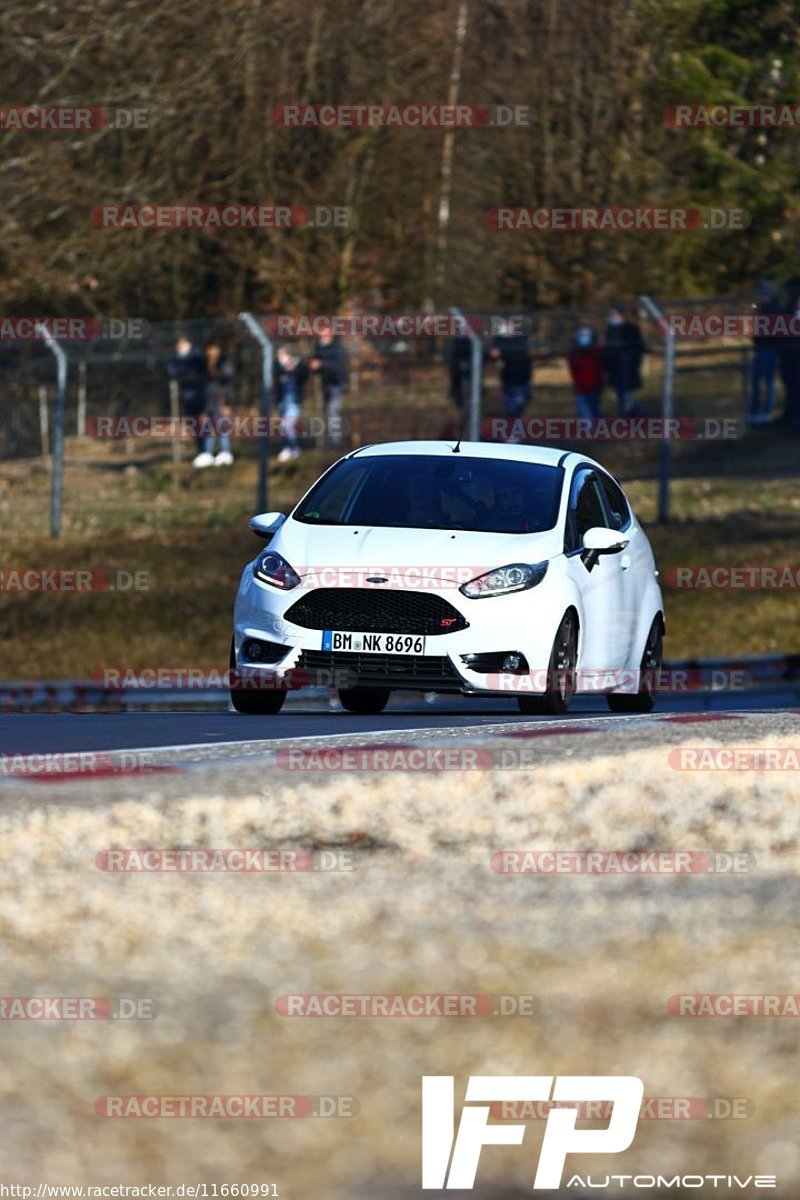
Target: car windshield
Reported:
point(421, 491)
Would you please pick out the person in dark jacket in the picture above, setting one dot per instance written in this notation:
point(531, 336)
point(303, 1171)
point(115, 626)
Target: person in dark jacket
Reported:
point(511, 350)
point(329, 361)
point(765, 357)
point(585, 361)
point(189, 368)
point(624, 351)
point(290, 377)
point(459, 364)
point(219, 394)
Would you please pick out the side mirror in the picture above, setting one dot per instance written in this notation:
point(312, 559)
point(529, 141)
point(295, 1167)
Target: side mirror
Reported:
point(604, 541)
point(267, 524)
point(599, 540)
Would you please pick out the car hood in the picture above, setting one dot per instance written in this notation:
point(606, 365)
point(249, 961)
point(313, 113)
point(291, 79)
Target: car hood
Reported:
point(309, 548)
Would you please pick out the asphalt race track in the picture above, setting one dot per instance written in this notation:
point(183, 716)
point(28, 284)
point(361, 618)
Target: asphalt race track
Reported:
point(27, 733)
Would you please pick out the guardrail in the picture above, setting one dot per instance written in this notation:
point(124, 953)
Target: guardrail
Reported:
point(712, 675)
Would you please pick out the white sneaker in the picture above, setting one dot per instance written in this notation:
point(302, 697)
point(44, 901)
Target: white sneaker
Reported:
point(285, 455)
point(224, 459)
point(204, 459)
point(296, 452)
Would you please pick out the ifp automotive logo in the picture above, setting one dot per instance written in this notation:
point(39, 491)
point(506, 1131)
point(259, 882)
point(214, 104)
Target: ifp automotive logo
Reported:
point(451, 1162)
point(440, 1149)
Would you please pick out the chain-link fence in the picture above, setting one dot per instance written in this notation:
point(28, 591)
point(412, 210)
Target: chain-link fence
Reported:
point(401, 385)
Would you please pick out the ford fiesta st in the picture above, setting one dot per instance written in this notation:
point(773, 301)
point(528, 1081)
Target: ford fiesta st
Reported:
point(478, 569)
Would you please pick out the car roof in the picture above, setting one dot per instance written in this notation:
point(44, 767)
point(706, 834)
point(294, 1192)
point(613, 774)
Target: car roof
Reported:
point(549, 456)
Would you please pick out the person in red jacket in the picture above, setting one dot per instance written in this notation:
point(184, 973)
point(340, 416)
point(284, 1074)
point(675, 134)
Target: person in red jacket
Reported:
point(586, 368)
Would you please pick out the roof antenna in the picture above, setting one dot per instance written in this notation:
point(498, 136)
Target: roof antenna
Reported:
point(457, 447)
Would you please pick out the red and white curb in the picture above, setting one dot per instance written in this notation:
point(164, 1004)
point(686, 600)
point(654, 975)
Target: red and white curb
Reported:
point(428, 750)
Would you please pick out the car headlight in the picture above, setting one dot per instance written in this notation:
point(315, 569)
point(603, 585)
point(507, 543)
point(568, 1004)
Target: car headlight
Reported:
point(517, 577)
point(273, 569)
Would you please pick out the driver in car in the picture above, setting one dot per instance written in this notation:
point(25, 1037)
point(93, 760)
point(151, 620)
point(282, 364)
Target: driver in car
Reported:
point(424, 501)
point(509, 504)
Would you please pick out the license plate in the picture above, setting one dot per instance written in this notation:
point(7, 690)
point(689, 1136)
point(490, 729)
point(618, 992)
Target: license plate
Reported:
point(373, 643)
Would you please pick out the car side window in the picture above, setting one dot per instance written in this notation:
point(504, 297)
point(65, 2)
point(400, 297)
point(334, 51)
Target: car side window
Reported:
point(618, 511)
point(585, 510)
point(589, 508)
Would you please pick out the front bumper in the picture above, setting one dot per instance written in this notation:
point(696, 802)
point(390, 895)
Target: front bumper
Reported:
point(520, 622)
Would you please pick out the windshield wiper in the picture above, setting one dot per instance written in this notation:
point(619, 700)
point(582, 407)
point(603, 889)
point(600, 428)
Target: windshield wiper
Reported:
point(318, 521)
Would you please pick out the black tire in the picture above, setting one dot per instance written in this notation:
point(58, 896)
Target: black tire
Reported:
point(365, 701)
point(560, 672)
point(652, 659)
point(254, 702)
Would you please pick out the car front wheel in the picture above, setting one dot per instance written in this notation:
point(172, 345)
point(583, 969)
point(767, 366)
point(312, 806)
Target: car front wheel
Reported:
point(253, 701)
point(560, 674)
point(652, 659)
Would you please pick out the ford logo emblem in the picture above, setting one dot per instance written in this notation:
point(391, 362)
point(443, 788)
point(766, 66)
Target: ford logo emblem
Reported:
point(377, 579)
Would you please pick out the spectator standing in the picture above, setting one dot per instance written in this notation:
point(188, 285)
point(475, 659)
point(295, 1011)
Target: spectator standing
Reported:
point(290, 376)
point(585, 361)
point(459, 364)
point(218, 402)
point(188, 368)
point(329, 361)
point(512, 352)
point(765, 358)
point(624, 351)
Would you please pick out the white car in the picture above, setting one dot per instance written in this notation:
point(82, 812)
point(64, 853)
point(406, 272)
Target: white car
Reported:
point(466, 568)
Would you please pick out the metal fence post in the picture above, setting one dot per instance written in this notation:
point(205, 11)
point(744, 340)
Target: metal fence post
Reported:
point(475, 378)
point(667, 408)
point(175, 418)
point(57, 483)
point(81, 428)
point(265, 403)
point(665, 446)
point(44, 422)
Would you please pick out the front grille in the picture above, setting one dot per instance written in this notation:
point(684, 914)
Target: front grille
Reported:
point(342, 669)
point(373, 610)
